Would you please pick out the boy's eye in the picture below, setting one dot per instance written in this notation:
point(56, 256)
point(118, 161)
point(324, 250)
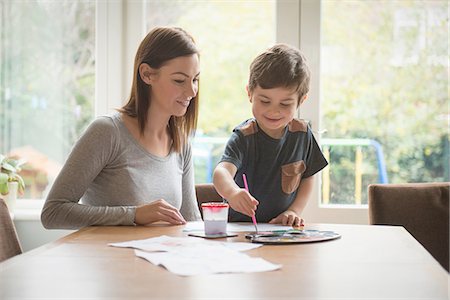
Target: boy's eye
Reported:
point(287, 104)
point(264, 101)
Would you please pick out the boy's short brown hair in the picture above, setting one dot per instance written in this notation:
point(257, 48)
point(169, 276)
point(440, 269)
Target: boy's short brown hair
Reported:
point(280, 66)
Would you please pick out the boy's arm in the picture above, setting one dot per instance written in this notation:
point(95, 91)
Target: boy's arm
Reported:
point(239, 199)
point(292, 215)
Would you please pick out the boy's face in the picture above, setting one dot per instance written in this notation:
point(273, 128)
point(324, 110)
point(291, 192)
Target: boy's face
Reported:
point(273, 108)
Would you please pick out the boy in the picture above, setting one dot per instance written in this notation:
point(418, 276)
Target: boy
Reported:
point(277, 153)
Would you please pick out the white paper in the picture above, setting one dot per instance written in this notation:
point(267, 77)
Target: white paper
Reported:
point(166, 243)
point(187, 256)
point(205, 260)
point(237, 227)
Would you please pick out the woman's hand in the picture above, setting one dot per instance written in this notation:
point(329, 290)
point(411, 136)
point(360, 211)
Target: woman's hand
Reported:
point(158, 210)
point(243, 202)
point(289, 218)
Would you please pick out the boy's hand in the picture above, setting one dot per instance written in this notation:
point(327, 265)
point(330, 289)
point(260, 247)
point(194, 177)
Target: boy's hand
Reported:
point(243, 202)
point(289, 218)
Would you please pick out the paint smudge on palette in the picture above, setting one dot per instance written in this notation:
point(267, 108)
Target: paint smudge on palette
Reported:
point(293, 236)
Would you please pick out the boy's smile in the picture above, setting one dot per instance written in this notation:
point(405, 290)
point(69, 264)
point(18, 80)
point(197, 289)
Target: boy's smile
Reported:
point(274, 108)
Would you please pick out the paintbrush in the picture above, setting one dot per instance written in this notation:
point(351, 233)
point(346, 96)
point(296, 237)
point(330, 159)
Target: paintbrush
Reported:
point(246, 187)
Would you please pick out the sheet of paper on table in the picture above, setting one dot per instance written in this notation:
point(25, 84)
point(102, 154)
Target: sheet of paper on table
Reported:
point(237, 227)
point(187, 256)
point(167, 243)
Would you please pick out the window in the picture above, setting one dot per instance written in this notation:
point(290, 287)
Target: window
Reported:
point(47, 83)
point(384, 92)
point(229, 35)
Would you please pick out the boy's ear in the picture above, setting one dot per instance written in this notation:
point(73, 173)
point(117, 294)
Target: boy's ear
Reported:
point(249, 94)
point(147, 73)
point(303, 99)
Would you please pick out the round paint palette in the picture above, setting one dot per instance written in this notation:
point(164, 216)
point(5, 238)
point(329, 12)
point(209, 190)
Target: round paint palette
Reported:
point(293, 237)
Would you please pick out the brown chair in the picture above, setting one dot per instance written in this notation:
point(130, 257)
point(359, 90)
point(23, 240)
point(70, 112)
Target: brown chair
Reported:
point(421, 208)
point(206, 193)
point(9, 243)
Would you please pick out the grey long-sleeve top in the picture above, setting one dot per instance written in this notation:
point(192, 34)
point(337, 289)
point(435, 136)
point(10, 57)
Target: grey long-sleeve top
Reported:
point(111, 173)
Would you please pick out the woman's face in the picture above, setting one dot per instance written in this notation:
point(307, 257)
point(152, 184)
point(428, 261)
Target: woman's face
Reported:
point(174, 85)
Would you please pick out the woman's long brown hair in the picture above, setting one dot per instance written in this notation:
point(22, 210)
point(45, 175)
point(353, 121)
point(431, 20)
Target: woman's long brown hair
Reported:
point(159, 46)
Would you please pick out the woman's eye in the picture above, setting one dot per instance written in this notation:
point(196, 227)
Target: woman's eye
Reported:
point(179, 81)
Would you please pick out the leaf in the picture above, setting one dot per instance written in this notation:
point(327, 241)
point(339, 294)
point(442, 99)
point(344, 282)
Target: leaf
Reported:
point(4, 184)
point(16, 163)
point(20, 163)
point(19, 179)
point(3, 178)
point(8, 167)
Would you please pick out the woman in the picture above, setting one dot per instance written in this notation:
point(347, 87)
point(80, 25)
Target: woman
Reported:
point(135, 167)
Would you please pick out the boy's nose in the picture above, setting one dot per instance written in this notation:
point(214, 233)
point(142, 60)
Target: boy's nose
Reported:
point(275, 111)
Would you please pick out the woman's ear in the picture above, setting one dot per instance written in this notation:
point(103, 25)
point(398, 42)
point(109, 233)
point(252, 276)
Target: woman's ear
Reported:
point(146, 73)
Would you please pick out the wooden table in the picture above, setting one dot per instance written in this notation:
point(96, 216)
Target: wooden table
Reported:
point(367, 262)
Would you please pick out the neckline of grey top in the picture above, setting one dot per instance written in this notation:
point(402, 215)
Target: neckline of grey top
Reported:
point(124, 130)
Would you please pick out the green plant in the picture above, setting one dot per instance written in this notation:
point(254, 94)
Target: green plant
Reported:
point(9, 169)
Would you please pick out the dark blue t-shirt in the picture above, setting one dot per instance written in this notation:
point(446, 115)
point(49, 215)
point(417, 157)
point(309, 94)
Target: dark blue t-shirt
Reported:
point(273, 167)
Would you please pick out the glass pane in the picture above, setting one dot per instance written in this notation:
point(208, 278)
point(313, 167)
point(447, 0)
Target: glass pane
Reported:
point(384, 76)
point(229, 34)
point(46, 83)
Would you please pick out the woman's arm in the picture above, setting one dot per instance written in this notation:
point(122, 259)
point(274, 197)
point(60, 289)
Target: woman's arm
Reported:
point(89, 156)
point(189, 206)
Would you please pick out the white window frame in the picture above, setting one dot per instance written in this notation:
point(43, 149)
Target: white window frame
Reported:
point(120, 27)
point(299, 24)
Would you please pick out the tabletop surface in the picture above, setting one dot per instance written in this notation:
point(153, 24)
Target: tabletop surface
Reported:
point(367, 262)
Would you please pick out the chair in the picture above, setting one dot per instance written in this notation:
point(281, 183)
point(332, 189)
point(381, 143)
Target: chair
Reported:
point(9, 243)
point(206, 193)
point(421, 208)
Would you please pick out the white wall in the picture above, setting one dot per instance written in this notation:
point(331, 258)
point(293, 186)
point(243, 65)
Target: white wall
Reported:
point(27, 220)
point(32, 234)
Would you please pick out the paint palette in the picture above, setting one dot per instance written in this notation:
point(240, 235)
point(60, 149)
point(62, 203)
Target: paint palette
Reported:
point(212, 236)
point(292, 236)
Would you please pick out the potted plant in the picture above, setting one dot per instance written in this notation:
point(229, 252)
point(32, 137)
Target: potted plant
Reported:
point(10, 181)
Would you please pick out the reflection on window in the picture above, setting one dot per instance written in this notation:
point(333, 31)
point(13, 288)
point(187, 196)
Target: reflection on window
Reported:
point(384, 75)
point(46, 83)
point(229, 34)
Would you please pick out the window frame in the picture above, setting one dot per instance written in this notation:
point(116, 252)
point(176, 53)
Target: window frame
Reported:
point(300, 25)
point(309, 16)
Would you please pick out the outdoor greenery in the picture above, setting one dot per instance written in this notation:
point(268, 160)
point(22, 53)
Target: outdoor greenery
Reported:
point(47, 81)
point(385, 77)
